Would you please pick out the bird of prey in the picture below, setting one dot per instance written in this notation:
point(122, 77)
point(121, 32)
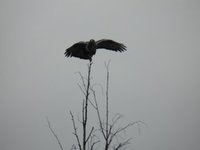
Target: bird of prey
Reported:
point(85, 50)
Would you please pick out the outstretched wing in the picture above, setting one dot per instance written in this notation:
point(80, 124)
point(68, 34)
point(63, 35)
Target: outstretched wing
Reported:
point(76, 50)
point(110, 45)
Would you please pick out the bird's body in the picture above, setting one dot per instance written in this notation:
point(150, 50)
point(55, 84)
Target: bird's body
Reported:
point(85, 50)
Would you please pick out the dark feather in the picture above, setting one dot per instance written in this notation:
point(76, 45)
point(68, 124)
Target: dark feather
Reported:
point(77, 50)
point(110, 45)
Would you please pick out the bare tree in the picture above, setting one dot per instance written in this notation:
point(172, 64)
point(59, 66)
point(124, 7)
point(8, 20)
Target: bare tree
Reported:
point(109, 129)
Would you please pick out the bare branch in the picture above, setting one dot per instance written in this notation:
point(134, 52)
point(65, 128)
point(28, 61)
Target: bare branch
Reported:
point(83, 114)
point(81, 89)
point(122, 144)
point(98, 113)
point(93, 105)
point(95, 98)
point(92, 142)
point(54, 134)
point(107, 107)
point(82, 79)
point(107, 87)
point(115, 120)
point(92, 146)
point(75, 131)
point(99, 85)
point(121, 129)
point(89, 134)
point(85, 106)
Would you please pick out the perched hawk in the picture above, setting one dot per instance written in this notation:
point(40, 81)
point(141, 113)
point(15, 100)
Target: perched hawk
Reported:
point(85, 50)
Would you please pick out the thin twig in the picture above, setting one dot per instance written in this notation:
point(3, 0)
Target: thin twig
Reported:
point(75, 131)
point(92, 146)
point(98, 113)
point(122, 144)
point(82, 79)
point(54, 134)
point(121, 129)
point(115, 120)
point(81, 89)
point(92, 143)
point(89, 134)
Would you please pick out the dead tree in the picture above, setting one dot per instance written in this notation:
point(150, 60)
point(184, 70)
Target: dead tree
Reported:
point(109, 129)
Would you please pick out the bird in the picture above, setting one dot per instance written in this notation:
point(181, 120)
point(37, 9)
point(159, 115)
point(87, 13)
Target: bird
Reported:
point(85, 50)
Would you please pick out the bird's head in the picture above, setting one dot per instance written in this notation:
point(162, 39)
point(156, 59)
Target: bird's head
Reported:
point(92, 41)
point(91, 45)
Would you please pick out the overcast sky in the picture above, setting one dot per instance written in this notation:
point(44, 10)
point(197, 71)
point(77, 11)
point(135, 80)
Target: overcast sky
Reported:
point(156, 80)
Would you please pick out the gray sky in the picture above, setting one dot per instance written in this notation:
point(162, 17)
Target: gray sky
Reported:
point(156, 80)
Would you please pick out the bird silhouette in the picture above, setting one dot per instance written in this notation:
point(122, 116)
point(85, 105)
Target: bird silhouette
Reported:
point(85, 50)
